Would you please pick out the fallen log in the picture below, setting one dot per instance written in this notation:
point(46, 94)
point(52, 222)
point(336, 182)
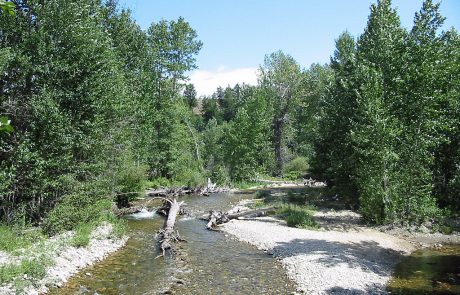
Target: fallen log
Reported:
point(205, 190)
point(218, 217)
point(167, 236)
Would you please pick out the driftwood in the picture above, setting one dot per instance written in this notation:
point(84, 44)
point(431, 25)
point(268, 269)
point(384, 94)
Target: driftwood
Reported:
point(218, 217)
point(168, 235)
point(206, 190)
point(313, 183)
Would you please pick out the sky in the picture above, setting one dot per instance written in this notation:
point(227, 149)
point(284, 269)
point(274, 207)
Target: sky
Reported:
point(237, 34)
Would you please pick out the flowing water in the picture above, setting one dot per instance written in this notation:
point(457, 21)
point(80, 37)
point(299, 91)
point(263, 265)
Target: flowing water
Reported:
point(210, 262)
point(429, 271)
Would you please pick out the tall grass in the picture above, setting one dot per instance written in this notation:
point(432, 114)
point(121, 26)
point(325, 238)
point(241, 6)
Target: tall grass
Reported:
point(298, 216)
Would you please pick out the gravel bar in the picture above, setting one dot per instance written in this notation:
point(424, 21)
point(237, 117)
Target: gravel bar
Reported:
point(326, 262)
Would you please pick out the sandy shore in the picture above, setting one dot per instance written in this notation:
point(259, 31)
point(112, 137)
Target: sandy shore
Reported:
point(66, 260)
point(345, 260)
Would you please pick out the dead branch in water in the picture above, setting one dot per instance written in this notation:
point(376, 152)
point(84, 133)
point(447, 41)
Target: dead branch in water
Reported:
point(168, 236)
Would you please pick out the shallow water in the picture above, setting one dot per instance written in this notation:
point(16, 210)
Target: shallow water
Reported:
point(429, 271)
point(211, 262)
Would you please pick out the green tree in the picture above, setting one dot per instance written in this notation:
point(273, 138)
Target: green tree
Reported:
point(172, 47)
point(247, 145)
point(190, 95)
point(335, 158)
point(280, 78)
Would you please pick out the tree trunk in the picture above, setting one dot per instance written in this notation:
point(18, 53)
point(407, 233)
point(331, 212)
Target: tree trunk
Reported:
point(167, 236)
point(218, 217)
point(278, 137)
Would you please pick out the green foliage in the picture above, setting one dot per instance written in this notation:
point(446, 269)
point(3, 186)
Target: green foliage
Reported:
point(280, 78)
point(297, 216)
point(388, 119)
point(74, 210)
point(5, 125)
point(73, 132)
point(7, 7)
point(13, 238)
point(192, 178)
point(257, 204)
point(296, 168)
point(82, 235)
point(130, 182)
point(34, 269)
point(190, 95)
point(296, 198)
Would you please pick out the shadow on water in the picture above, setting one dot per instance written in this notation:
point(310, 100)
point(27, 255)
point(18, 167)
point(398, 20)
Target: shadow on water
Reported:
point(432, 271)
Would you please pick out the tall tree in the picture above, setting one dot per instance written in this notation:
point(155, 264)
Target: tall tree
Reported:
point(280, 78)
point(190, 95)
point(173, 47)
point(334, 154)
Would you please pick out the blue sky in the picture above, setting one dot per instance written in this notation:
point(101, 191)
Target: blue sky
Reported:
point(238, 33)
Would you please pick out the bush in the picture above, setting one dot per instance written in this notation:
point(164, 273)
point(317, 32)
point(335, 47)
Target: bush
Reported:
point(296, 168)
point(131, 183)
point(34, 268)
point(12, 239)
point(262, 194)
point(298, 199)
point(82, 235)
point(191, 178)
point(158, 182)
point(74, 210)
point(300, 217)
point(220, 175)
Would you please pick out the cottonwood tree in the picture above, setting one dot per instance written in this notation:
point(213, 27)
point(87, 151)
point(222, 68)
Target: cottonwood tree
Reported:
point(280, 78)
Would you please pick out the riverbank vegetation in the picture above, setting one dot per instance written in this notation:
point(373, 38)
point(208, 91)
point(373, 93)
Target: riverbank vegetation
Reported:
point(93, 114)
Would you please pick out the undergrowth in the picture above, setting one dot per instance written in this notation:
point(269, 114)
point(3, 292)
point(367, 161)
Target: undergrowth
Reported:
point(298, 216)
point(12, 239)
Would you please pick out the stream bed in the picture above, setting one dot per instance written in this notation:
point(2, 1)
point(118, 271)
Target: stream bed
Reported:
point(428, 271)
point(210, 262)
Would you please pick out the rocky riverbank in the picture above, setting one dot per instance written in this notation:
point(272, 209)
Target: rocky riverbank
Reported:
point(342, 257)
point(63, 260)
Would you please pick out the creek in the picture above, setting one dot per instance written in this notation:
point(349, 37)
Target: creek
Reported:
point(210, 262)
point(428, 272)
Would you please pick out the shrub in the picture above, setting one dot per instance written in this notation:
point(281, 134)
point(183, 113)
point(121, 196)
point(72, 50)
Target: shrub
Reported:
point(158, 182)
point(262, 194)
point(82, 235)
point(296, 216)
point(296, 198)
point(296, 168)
point(34, 268)
point(257, 204)
point(191, 178)
point(15, 239)
point(74, 210)
point(220, 175)
point(130, 182)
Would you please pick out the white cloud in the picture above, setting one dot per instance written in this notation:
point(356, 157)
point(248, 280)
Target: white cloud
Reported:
point(206, 82)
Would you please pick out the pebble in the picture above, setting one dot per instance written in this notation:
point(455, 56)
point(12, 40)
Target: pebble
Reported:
point(326, 262)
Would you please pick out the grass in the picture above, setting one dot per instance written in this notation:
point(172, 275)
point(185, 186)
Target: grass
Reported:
point(29, 268)
point(292, 207)
point(296, 198)
point(298, 216)
point(82, 235)
point(12, 240)
point(34, 252)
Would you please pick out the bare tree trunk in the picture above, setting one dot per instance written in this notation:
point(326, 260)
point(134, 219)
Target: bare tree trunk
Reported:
point(168, 235)
point(278, 137)
point(218, 217)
